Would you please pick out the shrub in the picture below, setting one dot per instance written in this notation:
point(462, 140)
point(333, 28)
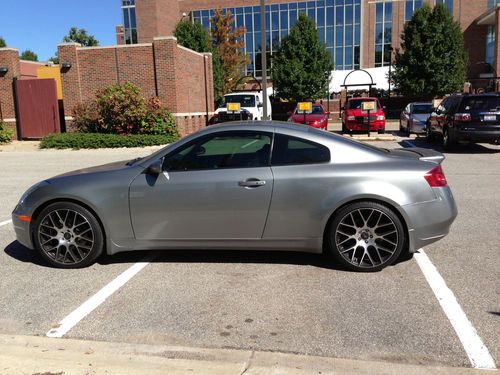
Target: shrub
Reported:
point(121, 109)
point(96, 140)
point(5, 134)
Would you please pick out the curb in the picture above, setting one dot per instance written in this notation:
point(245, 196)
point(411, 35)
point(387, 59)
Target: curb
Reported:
point(42, 355)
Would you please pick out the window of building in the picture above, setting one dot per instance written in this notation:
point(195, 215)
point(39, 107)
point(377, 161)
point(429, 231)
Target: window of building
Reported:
point(383, 33)
point(447, 3)
point(490, 45)
point(493, 3)
point(290, 150)
point(338, 23)
point(129, 21)
point(410, 7)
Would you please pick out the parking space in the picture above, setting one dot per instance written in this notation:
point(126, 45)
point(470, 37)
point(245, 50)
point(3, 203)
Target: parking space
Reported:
point(277, 301)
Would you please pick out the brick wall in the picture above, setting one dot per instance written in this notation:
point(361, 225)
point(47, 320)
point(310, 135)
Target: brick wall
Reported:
point(175, 74)
point(9, 58)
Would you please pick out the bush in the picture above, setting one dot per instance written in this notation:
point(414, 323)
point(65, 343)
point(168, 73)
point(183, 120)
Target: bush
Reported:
point(121, 109)
point(5, 134)
point(96, 140)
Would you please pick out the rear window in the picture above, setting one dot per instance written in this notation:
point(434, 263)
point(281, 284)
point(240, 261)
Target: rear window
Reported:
point(356, 103)
point(290, 150)
point(480, 104)
point(422, 108)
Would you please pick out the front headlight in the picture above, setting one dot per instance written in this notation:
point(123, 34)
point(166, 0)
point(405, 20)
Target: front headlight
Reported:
point(31, 190)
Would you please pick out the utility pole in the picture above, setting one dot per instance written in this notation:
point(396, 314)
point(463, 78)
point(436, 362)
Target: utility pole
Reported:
point(263, 56)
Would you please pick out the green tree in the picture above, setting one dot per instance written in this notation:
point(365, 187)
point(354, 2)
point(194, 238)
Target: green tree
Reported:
point(302, 66)
point(29, 55)
point(81, 36)
point(2, 42)
point(228, 42)
point(192, 35)
point(433, 61)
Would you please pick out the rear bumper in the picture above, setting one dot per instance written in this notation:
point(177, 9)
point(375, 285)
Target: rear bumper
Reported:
point(478, 136)
point(430, 221)
point(417, 127)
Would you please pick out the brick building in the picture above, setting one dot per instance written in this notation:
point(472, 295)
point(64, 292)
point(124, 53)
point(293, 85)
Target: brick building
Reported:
point(358, 33)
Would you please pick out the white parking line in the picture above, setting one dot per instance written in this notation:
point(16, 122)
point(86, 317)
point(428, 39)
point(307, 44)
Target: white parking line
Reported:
point(476, 350)
point(2, 223)
point(93, 302)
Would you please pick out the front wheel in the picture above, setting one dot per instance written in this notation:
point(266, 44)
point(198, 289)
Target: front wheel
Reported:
point(68, 235)
point(428, 134)
point(366, 236)
point(448, 140)
point(381, 131)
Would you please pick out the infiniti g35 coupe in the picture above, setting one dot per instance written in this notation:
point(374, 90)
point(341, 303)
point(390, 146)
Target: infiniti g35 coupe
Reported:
point(245, 186)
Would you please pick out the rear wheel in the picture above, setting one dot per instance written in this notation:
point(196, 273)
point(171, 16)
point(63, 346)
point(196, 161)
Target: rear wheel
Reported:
point(68, 236)
point(366, 236)
point(428, 134)
point(381, 131)
point(408, 130)
point(344, 128)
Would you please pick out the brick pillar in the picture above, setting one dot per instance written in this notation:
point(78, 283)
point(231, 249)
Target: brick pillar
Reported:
point(70, 77)
point(166, 54)
point(156, 18)
point(9, 58)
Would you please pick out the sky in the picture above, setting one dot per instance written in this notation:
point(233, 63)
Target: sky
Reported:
point(41, 25)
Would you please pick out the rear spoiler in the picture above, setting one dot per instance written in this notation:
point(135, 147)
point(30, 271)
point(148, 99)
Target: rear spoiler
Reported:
point(424, 154)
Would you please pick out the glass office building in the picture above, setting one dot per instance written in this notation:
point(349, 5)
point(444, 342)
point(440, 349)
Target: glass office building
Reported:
point(339, 23)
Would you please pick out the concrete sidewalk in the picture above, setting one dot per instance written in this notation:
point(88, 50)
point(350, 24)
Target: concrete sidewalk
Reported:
point(44, 356)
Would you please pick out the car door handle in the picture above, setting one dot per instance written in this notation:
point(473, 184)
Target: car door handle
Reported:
point(252, 183)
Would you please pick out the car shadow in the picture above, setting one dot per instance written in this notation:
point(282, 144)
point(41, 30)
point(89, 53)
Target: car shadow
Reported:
point(470, 148)
point(21, 253)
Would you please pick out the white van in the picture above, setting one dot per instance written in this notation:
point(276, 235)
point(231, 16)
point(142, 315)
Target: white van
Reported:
point(250, 103)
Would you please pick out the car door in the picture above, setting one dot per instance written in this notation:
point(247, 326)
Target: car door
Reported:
point(299, 167)
point(217, 186)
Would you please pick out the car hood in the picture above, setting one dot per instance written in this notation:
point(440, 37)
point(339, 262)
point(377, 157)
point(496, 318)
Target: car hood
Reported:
point(100, 168)
point(309, 118)
point(420, 116)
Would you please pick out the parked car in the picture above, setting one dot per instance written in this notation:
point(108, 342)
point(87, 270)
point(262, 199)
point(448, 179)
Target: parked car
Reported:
point(261, 186)
point(251, 104)
point(353, 118)
point(414, 117)
point(318, 118)
point(471, 118)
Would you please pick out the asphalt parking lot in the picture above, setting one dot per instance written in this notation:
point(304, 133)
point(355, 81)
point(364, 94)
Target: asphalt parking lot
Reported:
point(286, 302)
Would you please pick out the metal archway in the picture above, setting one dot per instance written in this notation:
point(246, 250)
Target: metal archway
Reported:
point(346, 86)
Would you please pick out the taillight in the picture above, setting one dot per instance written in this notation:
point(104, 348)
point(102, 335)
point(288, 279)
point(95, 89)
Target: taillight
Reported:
point(435, 177)
point(463, 117)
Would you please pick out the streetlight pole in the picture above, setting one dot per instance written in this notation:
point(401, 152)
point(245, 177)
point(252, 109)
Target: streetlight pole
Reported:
point(390, 70)
point(263, 57)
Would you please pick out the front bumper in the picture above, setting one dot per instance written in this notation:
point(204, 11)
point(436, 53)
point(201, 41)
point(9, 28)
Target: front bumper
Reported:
point(430, 221)
point(356, 125)
point(22, 228)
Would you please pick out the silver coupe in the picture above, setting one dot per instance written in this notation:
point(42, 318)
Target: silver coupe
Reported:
point(245, 186)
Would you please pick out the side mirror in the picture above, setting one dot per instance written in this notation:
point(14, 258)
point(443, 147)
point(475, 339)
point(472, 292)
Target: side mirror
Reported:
point(289, 113)
point(327, 113)
point(155, 168)
point(260, 105)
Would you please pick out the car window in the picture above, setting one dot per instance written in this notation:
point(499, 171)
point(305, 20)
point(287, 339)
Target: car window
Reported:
point(422, 108)
point(244, 149)
point(317, 110)
point(289, 150)
point(480, 103)
point(356, 103)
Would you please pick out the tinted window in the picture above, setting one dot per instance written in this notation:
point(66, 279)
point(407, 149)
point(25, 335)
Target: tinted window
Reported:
point(244, 100)
point(480, 103)
point(356, 103)
point(317, 110)
point(290, 150)
point(422, 108)
point(222, 150)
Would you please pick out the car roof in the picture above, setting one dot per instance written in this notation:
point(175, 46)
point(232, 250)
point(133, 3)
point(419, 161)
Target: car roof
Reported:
point(421, 103)
point(363, 98)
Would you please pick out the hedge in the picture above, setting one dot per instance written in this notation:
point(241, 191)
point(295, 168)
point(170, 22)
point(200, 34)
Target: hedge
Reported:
point(97, 140)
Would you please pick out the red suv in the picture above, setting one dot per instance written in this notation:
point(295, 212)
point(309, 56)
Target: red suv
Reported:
point(353, 118)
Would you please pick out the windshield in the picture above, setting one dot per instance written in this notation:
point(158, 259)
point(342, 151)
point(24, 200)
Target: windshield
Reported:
point(422, 108)
point(244, 100)
point(316, 110)
point(481, 104)
point(356, 103)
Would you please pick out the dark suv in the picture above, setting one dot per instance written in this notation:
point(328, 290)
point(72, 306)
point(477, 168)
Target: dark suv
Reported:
point(472, 118)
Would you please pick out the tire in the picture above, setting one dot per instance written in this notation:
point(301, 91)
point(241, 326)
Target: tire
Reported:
point(449, 142)
point(344, 129)
point(428, 134)
point(400, 127)
point(408, 130)
point(365, 236)
point(381, 131)
point(68, 235)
